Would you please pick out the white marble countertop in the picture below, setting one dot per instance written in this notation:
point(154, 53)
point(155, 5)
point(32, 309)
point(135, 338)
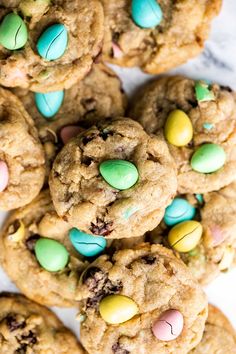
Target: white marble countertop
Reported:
point(216, 63)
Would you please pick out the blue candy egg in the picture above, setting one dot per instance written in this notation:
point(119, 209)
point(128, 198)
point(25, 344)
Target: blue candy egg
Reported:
point(179, 210)
point(48, 104)
point(146, 13)
point(53, 41)
point(87, 245)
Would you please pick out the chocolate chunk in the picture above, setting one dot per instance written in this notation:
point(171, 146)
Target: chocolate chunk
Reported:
point(30, 242)
point(29, 339)
point(108, 289)
point(86, 160)
point(13, 324)
point(92, 276)
point(149, 259)
point(101, 228)
point(87, 139)
point(105, 134)
point(118, 349)
point(226, 88)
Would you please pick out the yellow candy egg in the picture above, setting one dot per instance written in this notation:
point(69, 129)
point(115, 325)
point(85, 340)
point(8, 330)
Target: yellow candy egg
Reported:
point(16, 231)
point(178, 128)
point(185, 236)
point(116, 309)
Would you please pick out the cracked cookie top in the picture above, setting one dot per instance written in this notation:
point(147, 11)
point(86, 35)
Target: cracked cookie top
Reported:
point(156, 281)
point(26, 327)
point(87, 201)
point(83, 22)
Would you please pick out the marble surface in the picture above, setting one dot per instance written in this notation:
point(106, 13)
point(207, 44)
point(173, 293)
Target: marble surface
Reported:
point(216, 63)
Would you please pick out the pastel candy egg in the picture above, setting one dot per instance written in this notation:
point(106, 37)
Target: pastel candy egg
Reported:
point(208, 158)
point(202, 91)
point(51, 254)
point(69, 132)
point(116, 309)
point(4, 176)
point(168, 326)
point(146, 13)
point(16, 231)
point(185, 236)
point(179, 210)
point(87, 245)
point(178, 128)
point(120, 174)
point(53, 42)
point(13, 32)
point(48, 104)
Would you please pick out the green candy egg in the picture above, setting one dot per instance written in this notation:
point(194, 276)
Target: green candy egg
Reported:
point(208, 158)
point(51, 255)
point(120, 174)
point(13, 32)
point(203, 93)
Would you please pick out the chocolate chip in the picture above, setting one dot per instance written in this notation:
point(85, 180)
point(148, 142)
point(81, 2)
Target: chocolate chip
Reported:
point(118, 349)
point(149, 259)
point(101, 228)
point(13, 324)
point(86, 160)
point(105, 134)
point(226, 88)
point(29, 339)
point(87, 139)
point(31, 241)
point(91, 273)
point(89, 104)
point(193, 103)
point(115, 37)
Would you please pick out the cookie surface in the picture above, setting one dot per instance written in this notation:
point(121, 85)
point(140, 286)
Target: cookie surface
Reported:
point(20, 233)
point(26, 327)
point(21, 151)
point(83, 197)
point(213, 121)
point(219, 336)
point(156, 281)
point(83, 21)
point(180, 35)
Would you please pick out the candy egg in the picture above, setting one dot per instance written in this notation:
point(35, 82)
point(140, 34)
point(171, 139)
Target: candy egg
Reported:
point(179, 210)
point(53, 42)
point(87, 245)
point(13, 32)
point(69, 132)
point(116, 309)
point(146, 13)
point(208, 158)
point(178, 128)
point(185, 236)
point(51, 254)
point(168, 326)
point(120, 174)
point(4, 176)
point(203, 93)
point(48, 104)
point(16, 231)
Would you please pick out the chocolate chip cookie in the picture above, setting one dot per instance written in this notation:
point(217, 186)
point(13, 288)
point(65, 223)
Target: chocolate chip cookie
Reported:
point(146, 284)
point(216, 249)
point(180, 35)
point(198, 120)
point(62, 39)
point(219, 335)
point(99, 95)
point(20, 234)
point(26, 327)
point(113, 180)
point(22, 162)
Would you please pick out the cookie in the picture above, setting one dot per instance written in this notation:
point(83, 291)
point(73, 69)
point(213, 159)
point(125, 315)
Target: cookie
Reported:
point(198, 120)
point(216, 248)
point(57, 42)
point(99, 95)
point(22, 162)
point(113, 180)
point(219, 335)
point(26, 327)
point(156, 35)
point(20, 234)
point(144, 286)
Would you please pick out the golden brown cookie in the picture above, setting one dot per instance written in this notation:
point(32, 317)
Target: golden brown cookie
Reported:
point(179, 36)
point(156, 281)
point(83, 21)
point(26, 327)
point(89, 202)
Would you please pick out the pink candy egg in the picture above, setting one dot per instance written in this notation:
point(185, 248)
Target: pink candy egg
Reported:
point(4, 175)
point(117, 52)
point(168, 326)
point(69, 132)
point(217, 235)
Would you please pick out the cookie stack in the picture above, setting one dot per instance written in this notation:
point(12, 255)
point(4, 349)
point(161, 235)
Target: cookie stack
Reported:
point(120, 212)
